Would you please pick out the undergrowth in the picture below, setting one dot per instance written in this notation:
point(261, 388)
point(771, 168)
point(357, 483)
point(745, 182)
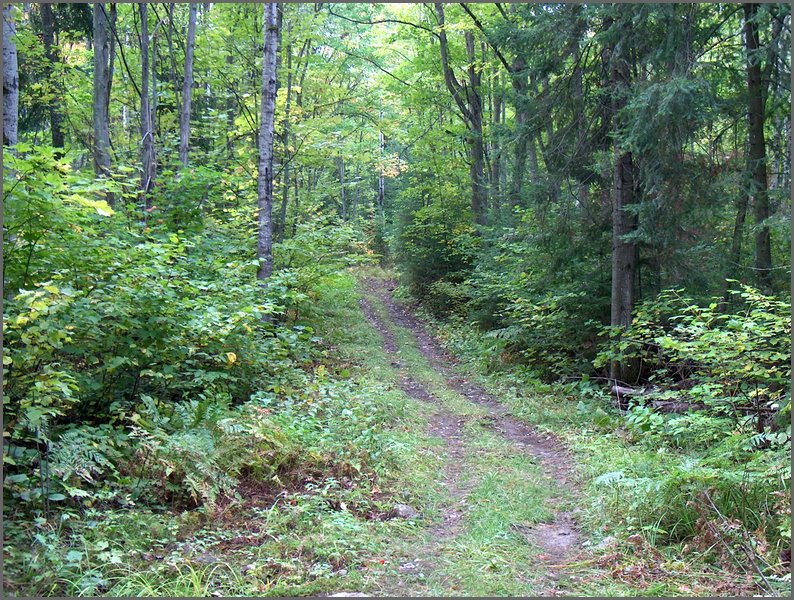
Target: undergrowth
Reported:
point(286, 492)
point(707, 487)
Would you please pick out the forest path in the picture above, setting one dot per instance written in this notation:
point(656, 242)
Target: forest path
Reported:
point(508, 487)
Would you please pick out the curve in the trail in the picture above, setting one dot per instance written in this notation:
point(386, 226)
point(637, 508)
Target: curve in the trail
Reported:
point(557, 539)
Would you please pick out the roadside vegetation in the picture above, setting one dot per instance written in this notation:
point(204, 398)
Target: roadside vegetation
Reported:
point(429, 299)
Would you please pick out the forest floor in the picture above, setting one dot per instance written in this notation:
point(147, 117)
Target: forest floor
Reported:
point(501, 506)
point(477, 431)
point(470, 485)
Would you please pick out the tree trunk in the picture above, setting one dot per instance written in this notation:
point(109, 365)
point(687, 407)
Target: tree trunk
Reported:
point(231, 113)
point(147, 133)
point(581, 125)
point(519, 82)
point(111, 61)
point(381, 177)
point(477, 171)
point(297, 204)
point(340, 162)
point(624, 253)
point(285, 170)
point(172, 58)
point(735, 255)
point(187, 86)
point(266, 133)
point(468, 100)
point(534, 167)
point(101, 121)
point(757, 150)
point(48, 29)
point(153, 69)
point(10, 77)
point(496, 152)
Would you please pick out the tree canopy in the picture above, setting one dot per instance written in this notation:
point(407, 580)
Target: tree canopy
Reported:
point(578, 192)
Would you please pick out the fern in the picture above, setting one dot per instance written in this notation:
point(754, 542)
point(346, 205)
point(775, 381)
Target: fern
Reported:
point(83, 452)
point(609, 478)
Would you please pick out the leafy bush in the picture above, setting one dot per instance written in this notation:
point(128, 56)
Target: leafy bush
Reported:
point(53, 218)
point(729, 373)
point(304, 260)
point(132, 351)
point(436, 241)
point(181, 199)
point(446, 299)
point(552, 333)
point(737, 365)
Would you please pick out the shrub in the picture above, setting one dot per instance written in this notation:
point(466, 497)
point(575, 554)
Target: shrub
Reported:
point(436, 241)
point(447, 299)
point(735, 449)
point(737, 365)
point(552, 333)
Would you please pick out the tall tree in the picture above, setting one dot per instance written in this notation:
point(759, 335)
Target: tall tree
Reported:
point(517, 69)
point(624, 251)
point(469, 102)
point(48, 28)
point(112, 60)
point(147, 131)
point(10, 77)
point(381, 198)
point(340, 163)
point(266, 135)
point(101, 92)
point(187, 86)
point(285, 138)
point(757, 147)
point(497, 117)
point(520, 86)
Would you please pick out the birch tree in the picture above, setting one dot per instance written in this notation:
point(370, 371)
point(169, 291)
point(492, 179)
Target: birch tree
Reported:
point(10, 78)
point(266, 134)
point(147, 131)
point(100, 105)
point(187, 86)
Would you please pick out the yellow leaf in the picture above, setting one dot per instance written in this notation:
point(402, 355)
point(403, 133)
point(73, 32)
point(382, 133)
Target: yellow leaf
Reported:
point(7, 360)
point(231, 357)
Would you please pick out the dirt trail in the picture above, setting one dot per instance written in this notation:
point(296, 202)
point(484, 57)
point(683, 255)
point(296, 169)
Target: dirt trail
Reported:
point(557, 539)
point(445, 425)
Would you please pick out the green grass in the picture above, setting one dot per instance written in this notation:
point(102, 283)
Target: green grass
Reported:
point(653, 499)
point(488, 557)
point(315, 537)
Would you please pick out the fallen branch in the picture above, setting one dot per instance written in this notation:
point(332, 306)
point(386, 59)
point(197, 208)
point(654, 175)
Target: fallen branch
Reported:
point(671, 406)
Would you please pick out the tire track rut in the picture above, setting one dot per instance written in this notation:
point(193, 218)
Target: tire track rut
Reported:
point(557, 539)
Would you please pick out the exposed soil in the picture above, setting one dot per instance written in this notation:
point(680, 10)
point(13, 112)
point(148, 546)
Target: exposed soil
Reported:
point(444, 425)
point(557, 539)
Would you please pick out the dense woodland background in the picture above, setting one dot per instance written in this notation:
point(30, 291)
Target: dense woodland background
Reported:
point(594, 199)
